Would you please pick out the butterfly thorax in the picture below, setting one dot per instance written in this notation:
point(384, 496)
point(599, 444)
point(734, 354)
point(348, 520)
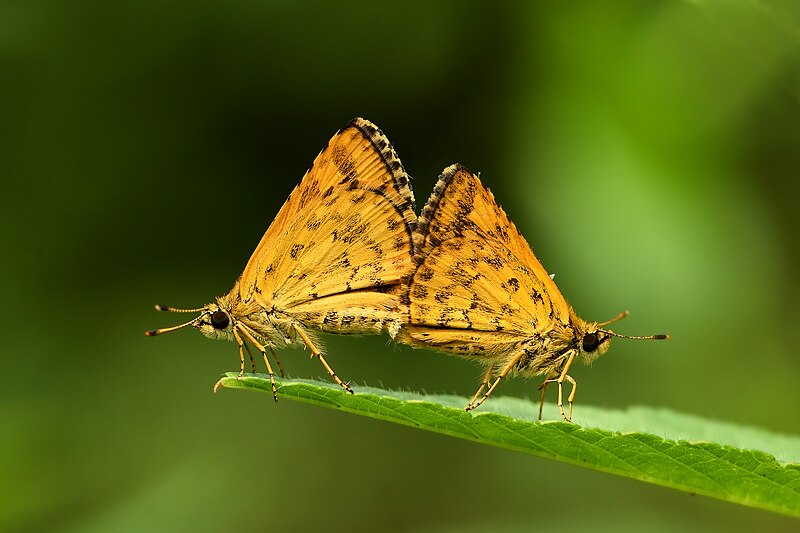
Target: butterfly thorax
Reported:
point(547, 351)
point(269, 326)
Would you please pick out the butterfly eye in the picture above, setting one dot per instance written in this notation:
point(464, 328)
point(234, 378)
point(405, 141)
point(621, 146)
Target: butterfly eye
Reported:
point(219, 319)
point(590, 342)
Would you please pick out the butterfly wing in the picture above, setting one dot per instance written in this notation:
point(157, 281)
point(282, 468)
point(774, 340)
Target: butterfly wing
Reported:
point(475, 272)
point(346, 227)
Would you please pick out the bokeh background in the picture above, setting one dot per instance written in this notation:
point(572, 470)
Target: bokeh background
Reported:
point(647, 150)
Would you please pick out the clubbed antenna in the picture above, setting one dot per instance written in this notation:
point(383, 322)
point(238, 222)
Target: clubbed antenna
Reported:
point(176, 310)
point(638, 337)
point(154, 332)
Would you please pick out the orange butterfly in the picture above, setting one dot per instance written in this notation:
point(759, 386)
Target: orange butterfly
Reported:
point(330, 259)
point(477, 291)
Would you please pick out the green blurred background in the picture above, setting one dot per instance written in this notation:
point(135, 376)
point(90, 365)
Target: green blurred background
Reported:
point(647, 150)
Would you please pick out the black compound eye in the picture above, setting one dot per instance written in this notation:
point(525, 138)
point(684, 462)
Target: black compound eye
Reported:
point(219, 319)
point(590, 342)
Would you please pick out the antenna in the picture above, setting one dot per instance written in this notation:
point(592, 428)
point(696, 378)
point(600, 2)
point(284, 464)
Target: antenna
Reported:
point(637, 337)
point(176, 310)
point(660, 337)
point(154, 332)
point(615, 319)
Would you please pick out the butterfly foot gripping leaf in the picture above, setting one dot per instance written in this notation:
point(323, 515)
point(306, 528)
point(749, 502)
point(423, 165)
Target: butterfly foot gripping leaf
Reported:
point(329, 262)
point(477, 291)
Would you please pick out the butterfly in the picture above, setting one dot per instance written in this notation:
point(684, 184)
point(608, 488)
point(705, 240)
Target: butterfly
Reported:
point(478, 291)
point(330, 260)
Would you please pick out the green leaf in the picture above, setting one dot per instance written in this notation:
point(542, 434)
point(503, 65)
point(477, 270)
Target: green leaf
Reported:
point(739, 464)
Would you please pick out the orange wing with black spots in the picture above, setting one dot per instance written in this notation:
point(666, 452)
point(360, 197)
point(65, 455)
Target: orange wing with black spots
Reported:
point(474, 271)
point(478, 291)
point(332, 259)
point(346, 227)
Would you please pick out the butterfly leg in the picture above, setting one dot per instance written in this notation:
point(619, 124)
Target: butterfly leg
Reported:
point(252, 361)
point(218, 384)
point(316, 352)
point(543, 388)
point(571, 394)
point(261, 349)
point(278, 362)
point(503, 373)
point(487, 378)
point(560, 380)
point(241, 353)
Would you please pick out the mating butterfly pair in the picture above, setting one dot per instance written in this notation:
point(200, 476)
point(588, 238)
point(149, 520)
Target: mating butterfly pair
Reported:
point(347, 254)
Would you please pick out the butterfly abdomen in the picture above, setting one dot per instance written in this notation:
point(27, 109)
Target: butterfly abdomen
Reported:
point(544, 354)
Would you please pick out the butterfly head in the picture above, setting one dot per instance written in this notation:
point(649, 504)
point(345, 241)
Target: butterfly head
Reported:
point(214, 321)
point(595, 340)
point(594, 343)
